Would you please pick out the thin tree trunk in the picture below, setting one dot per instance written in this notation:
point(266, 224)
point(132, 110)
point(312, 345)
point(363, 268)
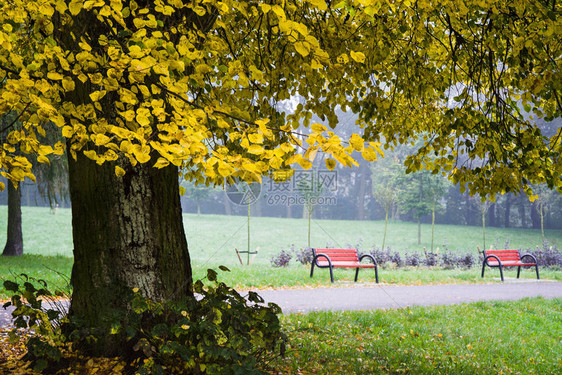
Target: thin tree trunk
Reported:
point(128, 233)
point(249, 238)
point(385, 227)
point(14, 239)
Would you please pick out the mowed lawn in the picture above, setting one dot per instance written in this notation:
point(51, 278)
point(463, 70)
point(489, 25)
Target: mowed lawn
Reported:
point(213, 239)
point(516, 337)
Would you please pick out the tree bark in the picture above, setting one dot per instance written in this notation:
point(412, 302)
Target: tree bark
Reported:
point(128, 233)
point(14, 239)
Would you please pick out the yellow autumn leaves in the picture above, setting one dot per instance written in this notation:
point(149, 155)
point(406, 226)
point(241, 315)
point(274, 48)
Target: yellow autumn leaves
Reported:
point(201, 85)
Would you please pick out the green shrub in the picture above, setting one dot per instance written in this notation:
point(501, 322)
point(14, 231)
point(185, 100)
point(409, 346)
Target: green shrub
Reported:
point(45, 320)
point(218, 331)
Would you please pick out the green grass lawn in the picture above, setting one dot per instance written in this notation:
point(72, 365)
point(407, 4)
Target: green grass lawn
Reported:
point(520, 337)
point(213, 238)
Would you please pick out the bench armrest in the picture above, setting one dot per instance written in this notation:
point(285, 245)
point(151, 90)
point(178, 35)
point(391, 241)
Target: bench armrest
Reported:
point(322, 256)
point(529, 255)
point(368, 256)
point(492, 256)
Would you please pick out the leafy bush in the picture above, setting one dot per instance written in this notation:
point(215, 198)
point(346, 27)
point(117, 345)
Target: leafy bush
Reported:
point(218, 332)
point(304, 256)
point(413, 259)
point(431, 258)
point(547, 256)
point(466, 261)
point(381, 256)
point(448, 260)
point(282, 259)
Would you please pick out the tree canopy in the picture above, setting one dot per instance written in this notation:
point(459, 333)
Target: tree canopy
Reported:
point(201, 84)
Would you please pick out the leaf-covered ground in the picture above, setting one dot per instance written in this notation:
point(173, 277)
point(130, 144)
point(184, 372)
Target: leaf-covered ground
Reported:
point(11, 362)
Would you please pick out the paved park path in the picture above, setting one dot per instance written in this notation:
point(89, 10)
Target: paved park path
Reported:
point(373, 296)
point(381, 296)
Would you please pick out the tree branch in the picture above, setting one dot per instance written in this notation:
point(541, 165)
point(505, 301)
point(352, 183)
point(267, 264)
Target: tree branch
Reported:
point(16, 119)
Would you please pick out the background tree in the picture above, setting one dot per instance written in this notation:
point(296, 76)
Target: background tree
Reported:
point(14, 236)
point(309, 190)
point(197, 193)
point(483, 206)
point(51, 180)
point(385, 174)
point(52, 177)
point(420, 194)
point(437, 190)
point(544, 200)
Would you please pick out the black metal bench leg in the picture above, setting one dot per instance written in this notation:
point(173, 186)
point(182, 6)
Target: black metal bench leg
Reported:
point(483, 267)
point(501, 272)
point(376, 274)
point(312, 269)
point(537, 269)
point(331, 274)
point(356, 274)
point(518, 271)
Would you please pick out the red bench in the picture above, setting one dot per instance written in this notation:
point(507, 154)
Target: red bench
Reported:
point(348, 258)
point(508, 258)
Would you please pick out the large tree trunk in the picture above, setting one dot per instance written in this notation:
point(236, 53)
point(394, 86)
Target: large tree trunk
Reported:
point(14, 240)
point(128, 233)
